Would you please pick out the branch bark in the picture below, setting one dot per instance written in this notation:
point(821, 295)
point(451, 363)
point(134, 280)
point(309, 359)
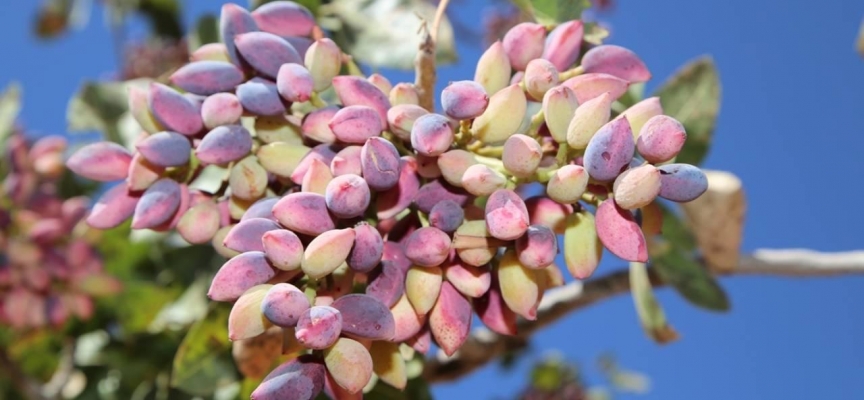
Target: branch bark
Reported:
point(484, 345)
point(424, 63)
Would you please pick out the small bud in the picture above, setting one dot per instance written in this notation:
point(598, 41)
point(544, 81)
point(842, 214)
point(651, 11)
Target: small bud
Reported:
point(537, 248)
point(427, 246)
point(347, 196)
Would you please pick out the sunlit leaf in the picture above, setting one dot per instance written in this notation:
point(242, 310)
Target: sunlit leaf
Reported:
point(206, 31)
point(673, 257)
point(199, 365)
point(98, 107)
point(556, 11)
point(651, 315)
point(10, 106)
point(692, 96)
point(387, 33)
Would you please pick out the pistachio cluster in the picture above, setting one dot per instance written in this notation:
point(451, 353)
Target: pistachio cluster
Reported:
point(368, 227)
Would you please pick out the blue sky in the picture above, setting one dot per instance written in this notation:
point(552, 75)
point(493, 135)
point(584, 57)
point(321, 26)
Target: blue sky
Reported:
point(791, 126)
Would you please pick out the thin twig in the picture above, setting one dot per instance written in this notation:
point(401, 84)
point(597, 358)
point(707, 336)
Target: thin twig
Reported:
point(424, 64)
point(484, 346)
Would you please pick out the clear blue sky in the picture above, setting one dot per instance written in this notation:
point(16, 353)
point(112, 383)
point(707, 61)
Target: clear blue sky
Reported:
point(791, 126)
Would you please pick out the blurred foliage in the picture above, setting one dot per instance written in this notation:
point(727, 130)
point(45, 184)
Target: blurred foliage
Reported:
point(550, 12)
point(552, 377)
point(692, 96)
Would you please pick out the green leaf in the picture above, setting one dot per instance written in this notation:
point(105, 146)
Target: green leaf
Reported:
point(386, 34)
point(594, 33)
point(673, 257)
point(692, 96)
point(650, 313)
point(199, 365)
point(312, 5)
point(550, 12)
point(10, 106)
point(417, 389)
point(98, 107)
point(140, 302)
point(164, 17)
point(206, 31)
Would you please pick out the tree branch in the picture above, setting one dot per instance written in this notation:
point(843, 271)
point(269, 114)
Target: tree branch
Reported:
point(484, 345)
point(424, 63)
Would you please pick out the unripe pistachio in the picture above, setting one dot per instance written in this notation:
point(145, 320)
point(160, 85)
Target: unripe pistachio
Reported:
point(559, 105)
point(323, 60)
point(464, 100)
point(567, 184)
point(661, 139)
point(588, 119)
point(637, 187)
point(639, 113)
point(563, 44)
point(589, 86)
point(540, 76)
point(616, 61)
point(493, 69)
point(521, 155)
point(523, 43)
point(502, 117)
point(404, 93)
